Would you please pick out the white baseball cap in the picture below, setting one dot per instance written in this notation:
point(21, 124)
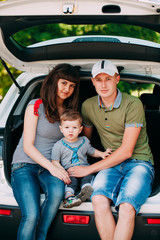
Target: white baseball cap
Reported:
point(104, 66)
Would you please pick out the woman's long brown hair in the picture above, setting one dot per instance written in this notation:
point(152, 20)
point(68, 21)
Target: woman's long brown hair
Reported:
point(48, 91)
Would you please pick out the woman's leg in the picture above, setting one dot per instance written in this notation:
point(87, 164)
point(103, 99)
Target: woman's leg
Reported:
point(54, 192)
point(26, 190)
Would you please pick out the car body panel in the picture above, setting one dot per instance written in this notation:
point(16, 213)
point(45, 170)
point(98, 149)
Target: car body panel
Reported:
point(18, 15)
point(137, 60)
point(80, 7)
point(44, 57)
point(69, 231)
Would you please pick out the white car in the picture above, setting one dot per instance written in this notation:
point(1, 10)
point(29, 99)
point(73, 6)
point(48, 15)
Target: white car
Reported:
point(138, 62)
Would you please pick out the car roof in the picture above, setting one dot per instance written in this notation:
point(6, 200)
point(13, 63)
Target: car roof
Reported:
point(19, 14)
point(16, 15)
point(79, 7)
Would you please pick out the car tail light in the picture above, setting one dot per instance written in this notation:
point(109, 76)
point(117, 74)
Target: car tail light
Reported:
point(76, 219)
point(5, 212)
point(153, 220)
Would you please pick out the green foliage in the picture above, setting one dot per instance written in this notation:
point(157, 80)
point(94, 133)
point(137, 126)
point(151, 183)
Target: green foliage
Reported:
point(131, 87)
point(53, 31)
point(5, 80)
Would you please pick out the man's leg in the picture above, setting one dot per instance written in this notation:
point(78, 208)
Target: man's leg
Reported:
point(135, 188)
point(104, 219)
point(126, 221)
point(105, 189)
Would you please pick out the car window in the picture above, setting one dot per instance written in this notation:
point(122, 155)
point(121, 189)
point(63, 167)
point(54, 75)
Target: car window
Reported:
point(53, 31)
point(135, 88)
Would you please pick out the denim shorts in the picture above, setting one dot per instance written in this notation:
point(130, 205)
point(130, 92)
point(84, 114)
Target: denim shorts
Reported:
point(131, 182)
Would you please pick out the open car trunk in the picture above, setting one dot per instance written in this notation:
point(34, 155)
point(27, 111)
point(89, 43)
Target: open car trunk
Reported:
point(138, 61)
point(151, 102)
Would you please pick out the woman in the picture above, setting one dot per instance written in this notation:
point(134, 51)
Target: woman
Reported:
point(31, 165)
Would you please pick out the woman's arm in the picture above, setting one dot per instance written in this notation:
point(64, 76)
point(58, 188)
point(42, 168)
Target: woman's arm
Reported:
point(56, 163)
point(124, 152)
point(29, 133)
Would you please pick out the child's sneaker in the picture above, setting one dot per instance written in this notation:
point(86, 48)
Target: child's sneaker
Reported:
point(71, 202)
point(85, 193)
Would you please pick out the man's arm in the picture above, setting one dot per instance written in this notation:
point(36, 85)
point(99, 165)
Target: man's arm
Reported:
point(87, 131)
point(124, 152)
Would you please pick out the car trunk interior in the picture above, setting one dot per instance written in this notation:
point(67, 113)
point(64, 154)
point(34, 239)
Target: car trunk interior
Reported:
point(151, 102)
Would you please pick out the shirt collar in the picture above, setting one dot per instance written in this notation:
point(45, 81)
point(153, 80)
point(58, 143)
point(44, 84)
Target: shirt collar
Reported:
point(117, 101)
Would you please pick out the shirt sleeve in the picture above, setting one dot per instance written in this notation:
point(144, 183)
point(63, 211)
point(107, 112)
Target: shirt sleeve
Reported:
point(90, 149)
point(135, 114)
point(32, 101)
point(56, 153)
point(39, 109)
point(85, 114)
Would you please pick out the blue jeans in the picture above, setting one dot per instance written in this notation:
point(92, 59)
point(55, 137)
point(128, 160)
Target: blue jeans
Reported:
point(79, 182)
point(26, 180)
point(131, 182)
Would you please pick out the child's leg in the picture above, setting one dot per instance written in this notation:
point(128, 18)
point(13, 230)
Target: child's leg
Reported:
point(86, 188)
point(71, 188)
point(68, 192)
point(70, 199)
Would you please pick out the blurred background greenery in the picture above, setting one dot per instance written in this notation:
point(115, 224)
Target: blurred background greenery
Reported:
point(53, 31)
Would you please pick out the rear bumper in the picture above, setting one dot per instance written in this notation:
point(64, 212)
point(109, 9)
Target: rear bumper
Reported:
point(60, 230)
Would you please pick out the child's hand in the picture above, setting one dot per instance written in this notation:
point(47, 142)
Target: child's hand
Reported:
point(106, 153)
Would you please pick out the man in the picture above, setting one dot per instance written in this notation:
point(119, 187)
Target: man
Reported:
point(125, 177)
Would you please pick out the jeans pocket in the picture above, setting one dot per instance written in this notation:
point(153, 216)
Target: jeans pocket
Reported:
point(16, 166)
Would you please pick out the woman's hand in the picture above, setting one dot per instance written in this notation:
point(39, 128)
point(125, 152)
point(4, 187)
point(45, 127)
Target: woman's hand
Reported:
point(78, 171)
point(60, 173)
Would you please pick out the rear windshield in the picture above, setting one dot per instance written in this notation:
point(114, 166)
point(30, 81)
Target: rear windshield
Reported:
point(53, 31)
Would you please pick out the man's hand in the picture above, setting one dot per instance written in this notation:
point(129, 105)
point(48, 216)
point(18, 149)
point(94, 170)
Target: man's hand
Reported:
point(78, 171)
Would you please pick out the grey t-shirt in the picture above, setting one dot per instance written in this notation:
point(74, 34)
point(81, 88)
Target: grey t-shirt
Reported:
point(47, 134)
point(62, 153)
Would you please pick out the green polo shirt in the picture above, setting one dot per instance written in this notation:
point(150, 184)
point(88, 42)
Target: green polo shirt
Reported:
point(110, 123)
